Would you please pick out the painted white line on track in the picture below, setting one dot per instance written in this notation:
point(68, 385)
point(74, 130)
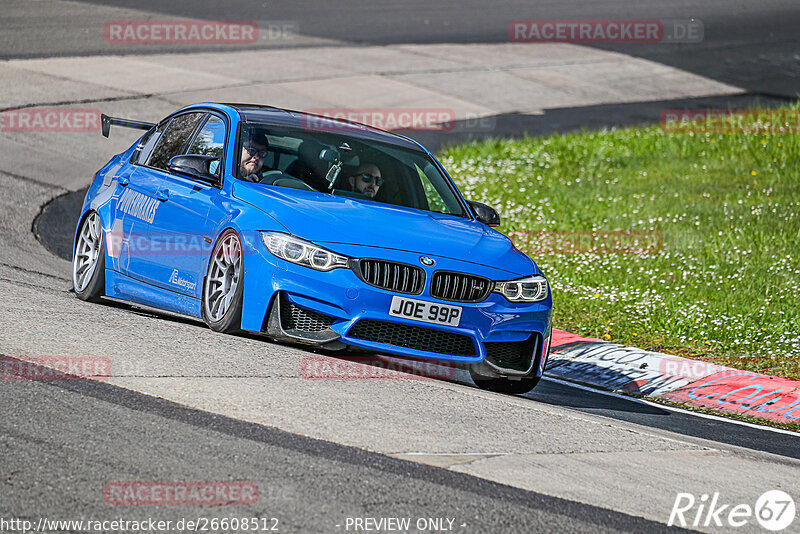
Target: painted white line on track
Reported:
point(670, 408)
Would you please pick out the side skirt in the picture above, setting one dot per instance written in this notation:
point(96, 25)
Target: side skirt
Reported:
point(125, 288)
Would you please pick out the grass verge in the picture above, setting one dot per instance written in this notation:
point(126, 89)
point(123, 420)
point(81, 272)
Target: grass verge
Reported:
point(677, 242)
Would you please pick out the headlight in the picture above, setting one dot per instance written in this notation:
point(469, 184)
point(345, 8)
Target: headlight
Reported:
point(530, 289)
point(302, 252)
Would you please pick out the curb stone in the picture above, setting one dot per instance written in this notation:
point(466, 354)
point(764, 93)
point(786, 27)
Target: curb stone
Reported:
point(633, 371)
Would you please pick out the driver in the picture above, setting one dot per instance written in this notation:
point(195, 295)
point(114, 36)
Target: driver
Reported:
point(254, 150)
point(366, 180)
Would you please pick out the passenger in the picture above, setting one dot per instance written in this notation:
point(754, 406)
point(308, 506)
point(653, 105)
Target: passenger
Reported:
point(254, 150)
point(366, 180)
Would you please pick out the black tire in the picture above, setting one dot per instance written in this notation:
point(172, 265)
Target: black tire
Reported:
point(231, 321)
point(93, 289)
point(505, 385)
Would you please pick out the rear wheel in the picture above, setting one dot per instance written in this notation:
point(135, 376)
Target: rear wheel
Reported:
point(505, 385)
point(89, 260)
point(223, 288)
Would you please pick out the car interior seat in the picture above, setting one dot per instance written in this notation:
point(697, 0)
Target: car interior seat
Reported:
point(309, 167)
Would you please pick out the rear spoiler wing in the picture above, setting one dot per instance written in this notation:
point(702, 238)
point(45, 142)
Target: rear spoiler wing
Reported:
point(107, 121)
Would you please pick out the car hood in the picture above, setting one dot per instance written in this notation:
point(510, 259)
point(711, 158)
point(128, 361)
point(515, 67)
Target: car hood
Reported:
point(330, 219)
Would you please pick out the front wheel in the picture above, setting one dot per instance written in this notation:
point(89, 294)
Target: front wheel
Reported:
point(223, 288)
point(505, 385)
point(89, 260)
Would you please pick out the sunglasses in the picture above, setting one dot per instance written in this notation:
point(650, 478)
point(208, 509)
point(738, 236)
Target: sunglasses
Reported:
point(369, 178)
point(257, 152)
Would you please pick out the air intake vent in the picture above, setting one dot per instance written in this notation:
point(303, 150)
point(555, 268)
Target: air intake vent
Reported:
point(512, 355)
point(397, 277)
point(460, 287)
point(413, 337)
point(295, 318)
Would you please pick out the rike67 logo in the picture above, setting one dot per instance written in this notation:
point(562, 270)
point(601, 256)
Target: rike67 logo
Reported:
point(774, 510)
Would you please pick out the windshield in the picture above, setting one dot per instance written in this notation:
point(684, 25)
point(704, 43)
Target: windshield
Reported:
point(336, 163)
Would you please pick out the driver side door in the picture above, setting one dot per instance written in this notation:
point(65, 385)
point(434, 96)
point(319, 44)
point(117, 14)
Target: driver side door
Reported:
point(184, 225)
point(152, 247)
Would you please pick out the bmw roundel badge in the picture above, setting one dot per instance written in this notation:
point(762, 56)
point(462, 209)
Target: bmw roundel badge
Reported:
point(426, 261)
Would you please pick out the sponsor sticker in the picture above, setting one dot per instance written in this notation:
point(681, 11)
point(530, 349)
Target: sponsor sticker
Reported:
point(138, 205)
point(176, 279)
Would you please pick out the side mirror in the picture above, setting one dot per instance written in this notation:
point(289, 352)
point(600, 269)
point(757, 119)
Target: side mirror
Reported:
point(194, 166)
point(485, 214)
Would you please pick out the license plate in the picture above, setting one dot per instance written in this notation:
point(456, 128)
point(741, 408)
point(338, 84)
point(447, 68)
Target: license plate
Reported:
point(428, 312)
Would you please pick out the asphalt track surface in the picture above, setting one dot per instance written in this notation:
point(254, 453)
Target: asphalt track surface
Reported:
point(58, 239)
point(60, 442)
point(752, 45)
point(748, 44)
point(308, 485)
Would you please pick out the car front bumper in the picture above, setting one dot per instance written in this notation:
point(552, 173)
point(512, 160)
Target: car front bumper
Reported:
point(289, 301)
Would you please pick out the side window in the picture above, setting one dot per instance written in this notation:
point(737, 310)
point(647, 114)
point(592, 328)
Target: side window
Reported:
point(147, 143)
point(210, 141)
point(172, 141)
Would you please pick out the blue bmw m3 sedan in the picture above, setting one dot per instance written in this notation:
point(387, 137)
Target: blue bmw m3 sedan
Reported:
point(311, 230)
